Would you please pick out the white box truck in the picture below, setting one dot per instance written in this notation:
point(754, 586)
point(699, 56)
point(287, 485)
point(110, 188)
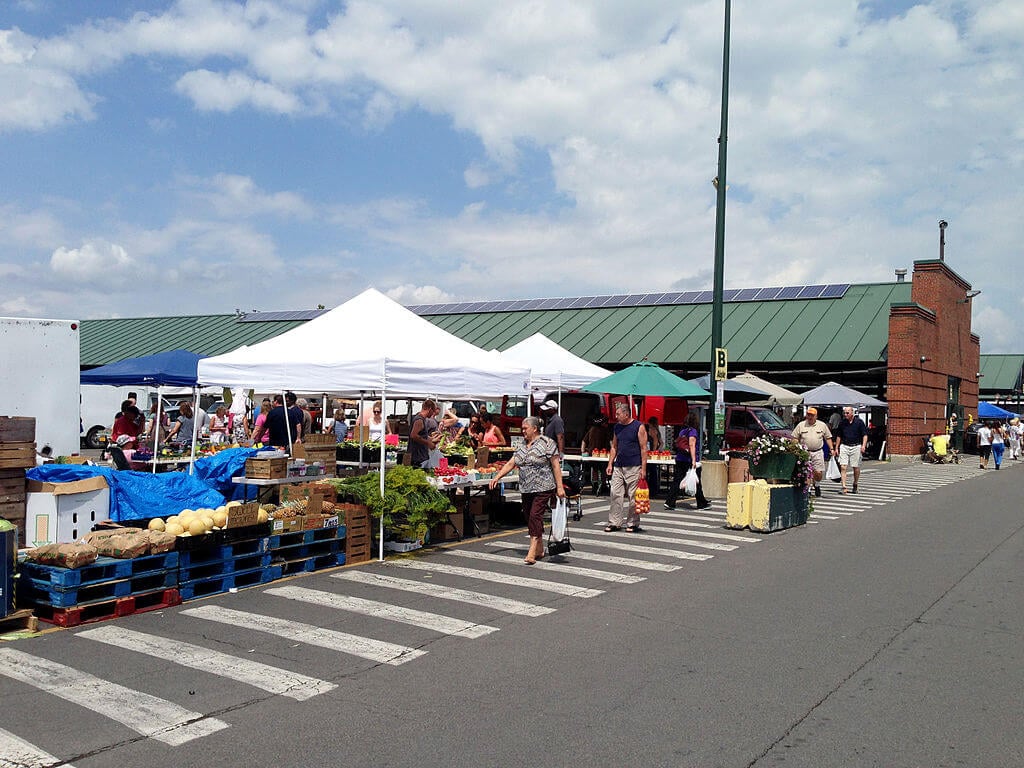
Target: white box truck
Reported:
point(39, 369)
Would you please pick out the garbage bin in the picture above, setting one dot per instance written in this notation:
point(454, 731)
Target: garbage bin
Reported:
point(739, 467)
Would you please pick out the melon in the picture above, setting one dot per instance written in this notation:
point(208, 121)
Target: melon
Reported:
point(174, 529)
point(197, 527)
point(262, 516)
point(171, 519)
point(156, 524)
point(231, 504)
point(220, 519)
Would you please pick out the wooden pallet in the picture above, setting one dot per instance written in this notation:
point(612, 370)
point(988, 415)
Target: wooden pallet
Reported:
point(19, 621)
point(74, 615)
point(17, 455)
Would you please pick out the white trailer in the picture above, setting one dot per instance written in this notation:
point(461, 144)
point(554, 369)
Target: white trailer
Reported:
point(39, 364)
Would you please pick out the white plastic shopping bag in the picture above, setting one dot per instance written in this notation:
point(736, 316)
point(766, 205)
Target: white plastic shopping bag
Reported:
point(559, 516)
point(689, 483)
point(832, 473)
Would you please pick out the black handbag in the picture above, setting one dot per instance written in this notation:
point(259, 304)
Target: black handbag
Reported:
point(559, 547)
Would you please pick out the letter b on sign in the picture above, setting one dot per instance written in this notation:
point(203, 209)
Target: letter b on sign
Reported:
point(721, 364)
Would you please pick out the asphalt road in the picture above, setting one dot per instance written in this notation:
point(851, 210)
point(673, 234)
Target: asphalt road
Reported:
point(888, 633)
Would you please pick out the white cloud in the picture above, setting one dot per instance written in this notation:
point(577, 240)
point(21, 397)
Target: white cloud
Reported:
point(409, 293)
point(235, 196)
point(95, 260)
point(217, 92)
point(34, 96)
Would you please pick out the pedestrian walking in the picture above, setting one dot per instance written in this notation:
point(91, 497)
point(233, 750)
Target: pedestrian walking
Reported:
point(540, 481)
point(1014, 432)
point(626, 465)
point(812, 435)
point(687, 455)
point(851, 441)
point(984, 444)
point(998, 443)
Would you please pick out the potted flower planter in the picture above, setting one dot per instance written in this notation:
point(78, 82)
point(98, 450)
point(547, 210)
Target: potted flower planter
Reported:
point(774, 466)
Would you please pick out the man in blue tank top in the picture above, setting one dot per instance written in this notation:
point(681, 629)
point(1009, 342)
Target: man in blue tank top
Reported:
point(626, 465)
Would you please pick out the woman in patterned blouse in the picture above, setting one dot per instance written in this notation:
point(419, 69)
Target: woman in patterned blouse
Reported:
point(540, 480)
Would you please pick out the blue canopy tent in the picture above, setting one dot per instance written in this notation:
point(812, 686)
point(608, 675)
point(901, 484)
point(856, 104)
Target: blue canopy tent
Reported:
point(990, 411)
point(176, 368)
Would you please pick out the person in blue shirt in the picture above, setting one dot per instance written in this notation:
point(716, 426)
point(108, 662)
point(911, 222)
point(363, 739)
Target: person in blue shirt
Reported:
point(851, 440)
point(626, 465)
point(687, 455)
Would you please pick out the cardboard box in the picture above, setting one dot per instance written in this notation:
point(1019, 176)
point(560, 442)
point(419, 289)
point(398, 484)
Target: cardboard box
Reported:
point(64, 512)
point(319, 441)
point(287, 524)
point(266, 469)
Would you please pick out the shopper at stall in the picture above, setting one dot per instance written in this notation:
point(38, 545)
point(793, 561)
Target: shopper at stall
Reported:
point(451, 428)
point(554, 427)
point(423, 433)
point(597, 439)
point(127, 424)
point(378, 425)
point(337, 425)
point(220, 426)
point(259, 426)
point(540, 481)
point(654, 443)
point(493, 436)
point(165, 425)
point(626, 465)
point(812, 435)
point(850, 443)
point(984, 444)
point(476, 431)
point(687, 456)
point(189, 423)
point(278, 425)
point(998, 443)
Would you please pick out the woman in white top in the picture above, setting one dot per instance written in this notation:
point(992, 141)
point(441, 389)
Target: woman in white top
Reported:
point(1013, 432)
point(998, 443)
point(377, 423)
point(984, 444)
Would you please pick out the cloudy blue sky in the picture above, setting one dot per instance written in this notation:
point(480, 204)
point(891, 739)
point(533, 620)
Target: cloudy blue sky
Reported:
point(199, 156)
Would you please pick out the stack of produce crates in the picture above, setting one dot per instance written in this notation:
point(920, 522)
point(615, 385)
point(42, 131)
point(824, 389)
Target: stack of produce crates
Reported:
point(17, 453)
point(322, 449)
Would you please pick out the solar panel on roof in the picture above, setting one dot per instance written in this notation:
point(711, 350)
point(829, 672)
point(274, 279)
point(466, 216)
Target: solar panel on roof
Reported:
point(835, 291)
point(790, 292)
point(631, 301)
point(729, 294)
point(811, 292)
point(532, 304)
point(704, 297)
point(271, 317)
point(563, 303)
point(767, 294)
point(608, 301)
point(688, 297)
point(746, 294)
point(424, 309)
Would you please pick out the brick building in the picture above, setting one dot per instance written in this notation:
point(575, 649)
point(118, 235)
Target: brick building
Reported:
point(933, 357)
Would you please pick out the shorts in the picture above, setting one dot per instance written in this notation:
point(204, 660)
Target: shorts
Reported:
point(849, 456)
point(818, 460)
point(984, 451)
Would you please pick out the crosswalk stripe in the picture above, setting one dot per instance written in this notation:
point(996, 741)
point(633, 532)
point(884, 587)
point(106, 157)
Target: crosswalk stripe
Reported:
point(445, 625)
point(503, 604)
point(343, 642)
point(664, 539)
point(629, 562)
point(822, 516)
point(602, 540)
point(683, 528)
point(18, 753)
point(501, 578)
point(546, 565)
point(842, 511)
point(148, 715)
point(254, 673)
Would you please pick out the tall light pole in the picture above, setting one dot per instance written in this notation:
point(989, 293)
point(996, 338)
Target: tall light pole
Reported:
point(716, 426)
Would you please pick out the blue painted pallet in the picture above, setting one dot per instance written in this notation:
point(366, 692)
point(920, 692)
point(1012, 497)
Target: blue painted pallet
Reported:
point(190, 590)
point(44, 593)
point(223, 551)
point(104, 569)
point(316, 549)
point(297, 538)
point(225, 565)
point(315, 563)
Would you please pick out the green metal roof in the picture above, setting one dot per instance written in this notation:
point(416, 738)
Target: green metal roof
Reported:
point(1001, 374)
point(107, 341)
point(854, 327)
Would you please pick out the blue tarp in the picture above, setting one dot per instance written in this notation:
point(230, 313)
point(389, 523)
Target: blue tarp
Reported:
point(176, 368)
point(217, 470)
point(989, 411)
point(139, 495)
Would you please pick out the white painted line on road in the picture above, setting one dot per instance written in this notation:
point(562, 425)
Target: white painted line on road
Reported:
point(663, 539)
point(18, 753)
point(822, 516)
point(145, 714)
point(602, 540)
point(668, 528)
point(343, 642)
point(503, 604)
point(445, 625)
point(547, 565)
point(499, 578)
point(629, 562)
point(254, 673)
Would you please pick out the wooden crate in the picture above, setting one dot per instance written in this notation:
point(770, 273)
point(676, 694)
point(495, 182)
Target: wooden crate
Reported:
point(358, 539)
point(319, 441)
point(266, 469)
point(17, 455)
point(17, 429)
point(12, 485)
point(327, 455)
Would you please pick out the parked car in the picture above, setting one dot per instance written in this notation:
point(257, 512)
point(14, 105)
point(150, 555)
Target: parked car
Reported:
point(743, 423)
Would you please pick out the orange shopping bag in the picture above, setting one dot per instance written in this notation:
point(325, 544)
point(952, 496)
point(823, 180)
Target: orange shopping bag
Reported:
point(642, 497)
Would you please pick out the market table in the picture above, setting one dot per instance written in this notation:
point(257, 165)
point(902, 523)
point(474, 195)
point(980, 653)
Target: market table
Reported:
point(461, 501)
point(266, 486)
point(603, 460)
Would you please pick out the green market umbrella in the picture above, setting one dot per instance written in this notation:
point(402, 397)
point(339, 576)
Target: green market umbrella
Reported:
point(646, 378)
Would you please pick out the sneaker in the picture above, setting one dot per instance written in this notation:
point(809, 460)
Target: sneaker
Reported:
point(669, 506)
point(817, 490)
point(705, 505)
point(854, 487)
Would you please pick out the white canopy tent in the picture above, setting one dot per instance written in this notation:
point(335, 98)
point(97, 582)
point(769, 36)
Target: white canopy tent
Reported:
point(777, 395)
point(368, 345)
point(551, 366)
